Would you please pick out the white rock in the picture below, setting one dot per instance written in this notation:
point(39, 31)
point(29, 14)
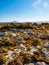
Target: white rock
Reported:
point(41, 63)
point(38, 47)
point(13, 34)
point(46, 45)
point(44, 50)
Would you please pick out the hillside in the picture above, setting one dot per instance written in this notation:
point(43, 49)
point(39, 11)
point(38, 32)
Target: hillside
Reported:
point(24, 44)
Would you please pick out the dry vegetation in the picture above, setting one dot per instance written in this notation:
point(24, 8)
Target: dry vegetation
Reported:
point(24, 43)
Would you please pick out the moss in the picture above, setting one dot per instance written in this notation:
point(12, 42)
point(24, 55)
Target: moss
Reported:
point(27, 57)
point(2, 59)
point(41, 58)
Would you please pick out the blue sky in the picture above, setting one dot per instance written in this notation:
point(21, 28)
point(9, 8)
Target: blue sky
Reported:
point(24, 10)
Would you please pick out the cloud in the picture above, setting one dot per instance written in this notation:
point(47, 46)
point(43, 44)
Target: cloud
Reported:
point(45, 4)
point(37, 2)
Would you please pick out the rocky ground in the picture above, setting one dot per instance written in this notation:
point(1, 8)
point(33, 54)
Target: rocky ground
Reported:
point(24, 44)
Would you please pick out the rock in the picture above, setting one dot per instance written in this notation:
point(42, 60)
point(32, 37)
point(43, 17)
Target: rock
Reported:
point(41, 63)
point(46, 45)
point(45, 52)
point(29, 64)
